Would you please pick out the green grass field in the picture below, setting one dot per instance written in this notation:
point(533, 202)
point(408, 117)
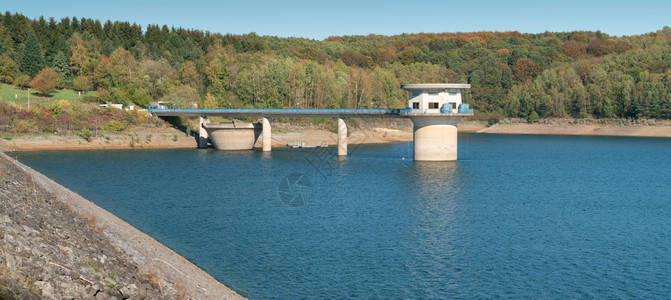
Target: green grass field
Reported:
point(11, 93)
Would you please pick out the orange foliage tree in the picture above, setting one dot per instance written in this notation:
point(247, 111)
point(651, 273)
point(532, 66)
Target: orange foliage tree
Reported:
point(573, 49)
point(526, 69)
point(46, 81)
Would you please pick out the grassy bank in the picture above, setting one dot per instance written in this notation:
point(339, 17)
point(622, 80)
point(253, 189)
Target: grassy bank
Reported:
point(19, 97)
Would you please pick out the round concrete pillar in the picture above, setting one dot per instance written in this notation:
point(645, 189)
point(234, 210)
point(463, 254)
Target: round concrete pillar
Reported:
point(266, 135)
point(435, 143)
point(435, 138)
point(342, 137)
point(203, 137)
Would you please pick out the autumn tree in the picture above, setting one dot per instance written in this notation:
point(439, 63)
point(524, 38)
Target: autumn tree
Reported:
point(188, 74)
point(622, 46)
point(7, 69)
point(525, 69)
point(600, 47)
point(573, 49)
point(84, 56)
point(354, 58)
point(311, 53)
point(46, 81)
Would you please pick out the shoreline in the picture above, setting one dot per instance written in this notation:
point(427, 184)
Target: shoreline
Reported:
point(567, 128)
point(173, 139)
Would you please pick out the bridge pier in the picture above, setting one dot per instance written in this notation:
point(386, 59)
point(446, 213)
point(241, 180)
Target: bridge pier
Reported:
point(203, 137)
point(267, 139)
point(342, 137)
point(435, 137)
point(233, 136)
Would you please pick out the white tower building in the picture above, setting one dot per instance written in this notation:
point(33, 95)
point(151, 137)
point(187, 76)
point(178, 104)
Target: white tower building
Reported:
point(436, 110)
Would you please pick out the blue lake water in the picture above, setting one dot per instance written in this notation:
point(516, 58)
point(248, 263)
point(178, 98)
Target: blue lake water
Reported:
point(514, 217)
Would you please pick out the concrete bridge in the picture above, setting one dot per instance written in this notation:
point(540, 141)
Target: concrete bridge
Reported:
point(435, 110)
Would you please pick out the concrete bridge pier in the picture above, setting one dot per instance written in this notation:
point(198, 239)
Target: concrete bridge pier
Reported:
point(203, 137)
point(435, 137)
point(233, 136)
point(267, 139)
point(342, 137)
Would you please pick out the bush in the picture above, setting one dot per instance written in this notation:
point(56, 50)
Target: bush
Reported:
point(87, 135)
point(24, 126)
point(115, 125)
point(533, 117)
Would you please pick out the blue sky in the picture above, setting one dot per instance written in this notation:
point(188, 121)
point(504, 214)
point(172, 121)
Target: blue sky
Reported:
point(321, 19)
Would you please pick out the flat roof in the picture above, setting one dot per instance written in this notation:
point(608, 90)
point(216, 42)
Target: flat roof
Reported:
point(435, 86)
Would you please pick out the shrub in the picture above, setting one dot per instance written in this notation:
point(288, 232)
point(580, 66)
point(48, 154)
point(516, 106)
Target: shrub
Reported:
point(87, 135)
point(23, 126)
point(115, 125)
point(533, 117)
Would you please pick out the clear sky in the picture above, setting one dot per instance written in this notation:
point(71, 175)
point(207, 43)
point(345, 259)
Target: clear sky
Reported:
point(321, 19)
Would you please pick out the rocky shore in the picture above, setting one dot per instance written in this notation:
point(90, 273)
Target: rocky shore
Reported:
point(56, 245)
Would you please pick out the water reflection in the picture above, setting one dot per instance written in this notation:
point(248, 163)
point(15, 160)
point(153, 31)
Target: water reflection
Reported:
point(437, 227)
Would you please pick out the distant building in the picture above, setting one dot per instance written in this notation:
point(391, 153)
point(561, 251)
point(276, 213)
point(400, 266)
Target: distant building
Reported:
point(113, 105)
point(436, 97)
point(158, 105)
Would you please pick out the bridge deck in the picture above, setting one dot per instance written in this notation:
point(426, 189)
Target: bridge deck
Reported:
point(293, 113)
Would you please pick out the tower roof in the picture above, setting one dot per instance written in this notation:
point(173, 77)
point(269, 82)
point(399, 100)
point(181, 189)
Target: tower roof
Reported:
point(434, 86)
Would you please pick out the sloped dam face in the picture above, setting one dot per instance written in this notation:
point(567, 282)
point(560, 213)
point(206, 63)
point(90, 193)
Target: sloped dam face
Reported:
point(233, 136)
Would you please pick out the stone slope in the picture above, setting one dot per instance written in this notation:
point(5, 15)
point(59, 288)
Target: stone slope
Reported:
point(56, 245)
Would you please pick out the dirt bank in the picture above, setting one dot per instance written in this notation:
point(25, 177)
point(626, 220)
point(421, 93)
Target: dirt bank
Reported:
point(142, 138)
point(572, 127)
point(285, 134)
point(171, 138)
point(55, 244)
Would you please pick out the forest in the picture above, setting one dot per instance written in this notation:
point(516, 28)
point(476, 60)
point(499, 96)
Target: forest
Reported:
point(576, 74)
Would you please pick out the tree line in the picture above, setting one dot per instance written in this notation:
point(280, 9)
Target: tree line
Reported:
point(567, 74)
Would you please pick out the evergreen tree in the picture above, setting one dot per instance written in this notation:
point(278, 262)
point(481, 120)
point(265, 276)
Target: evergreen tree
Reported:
point(32, 61)
point(62, 65)
point(107, 47)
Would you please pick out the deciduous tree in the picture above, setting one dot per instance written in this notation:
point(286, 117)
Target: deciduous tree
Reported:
point(525, 69)
point(7, 69)
point(46, 81)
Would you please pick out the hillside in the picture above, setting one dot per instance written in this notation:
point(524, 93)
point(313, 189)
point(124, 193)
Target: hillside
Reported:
point(516, 75)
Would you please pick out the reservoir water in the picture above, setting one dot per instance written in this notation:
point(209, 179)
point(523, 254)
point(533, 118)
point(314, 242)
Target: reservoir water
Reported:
point(514, 217)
